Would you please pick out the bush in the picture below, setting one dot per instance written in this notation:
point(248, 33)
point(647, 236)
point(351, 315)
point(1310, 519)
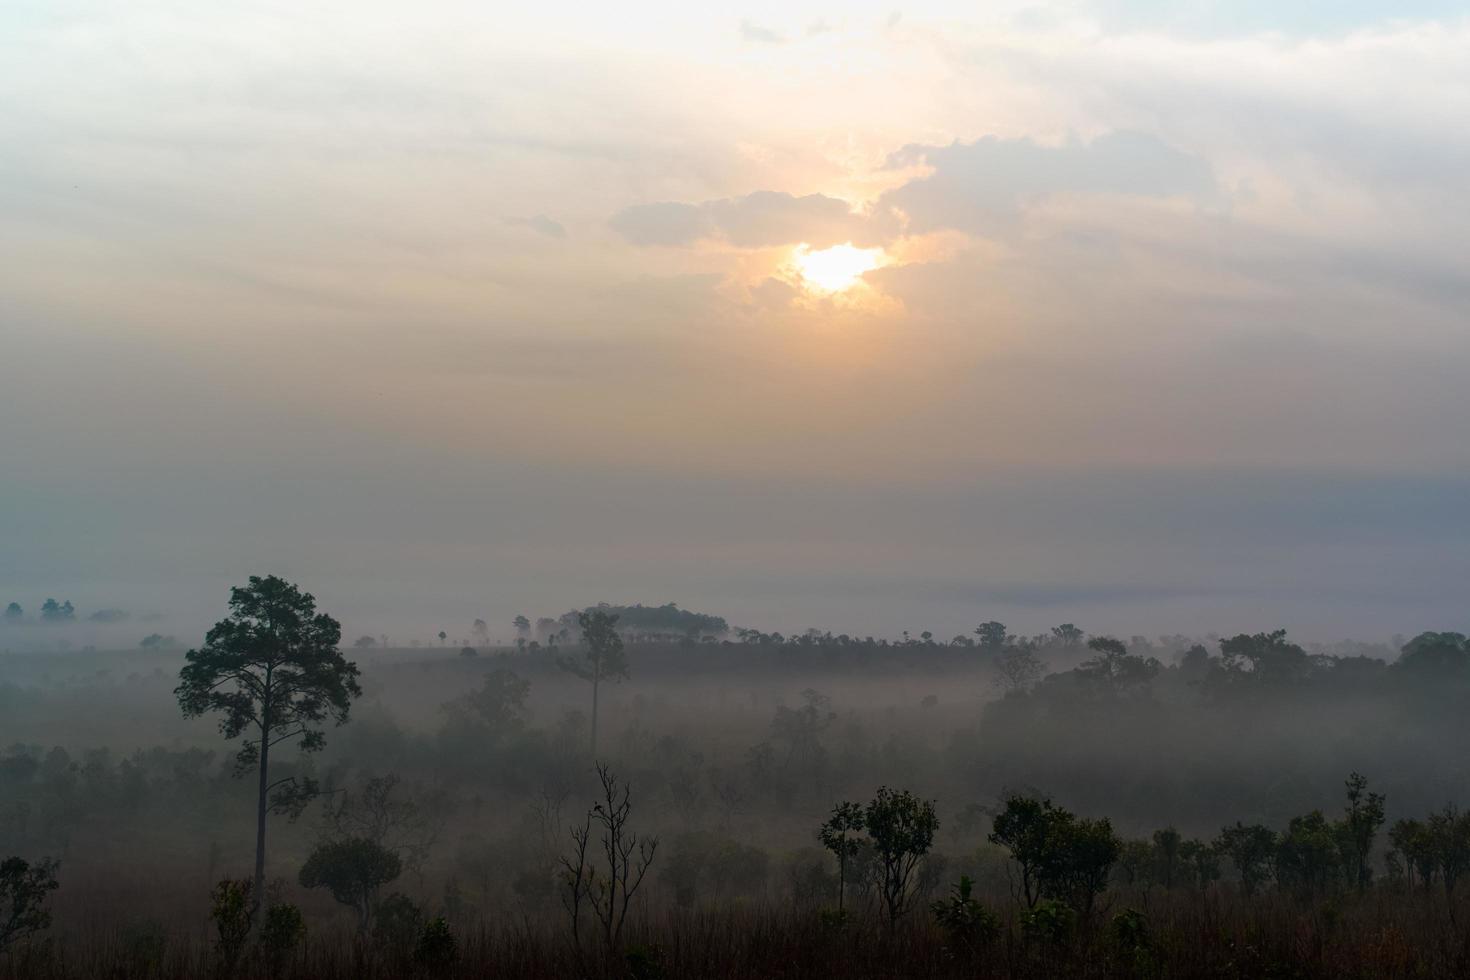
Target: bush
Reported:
point(23, 891)
point(437, 948)
point(646, 963)
point(281, 932)
point(229, 910)
point(399, 925)
point(1048, 921)
point(967, 924)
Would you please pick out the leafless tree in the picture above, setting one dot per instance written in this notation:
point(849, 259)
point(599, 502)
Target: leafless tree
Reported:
point(606, 884)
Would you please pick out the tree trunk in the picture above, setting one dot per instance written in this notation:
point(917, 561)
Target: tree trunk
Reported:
point(258, 896)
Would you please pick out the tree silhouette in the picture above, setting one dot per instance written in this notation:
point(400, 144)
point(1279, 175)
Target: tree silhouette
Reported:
point(271, 668)
point(901, 827)
point(352, 870)
point(23, 891)
point(840, 836)
point(603, 658)
point(993, 636)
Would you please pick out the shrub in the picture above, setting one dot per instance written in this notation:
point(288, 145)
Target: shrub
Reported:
point(967, 924)
point(1048, 921)
point(437, 948)
point(281, 932)
point(229, 909)
point(646, 963)
point(23, 891)
point(399, 924)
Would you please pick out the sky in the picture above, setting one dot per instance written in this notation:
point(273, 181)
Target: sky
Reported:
point(1148, 316)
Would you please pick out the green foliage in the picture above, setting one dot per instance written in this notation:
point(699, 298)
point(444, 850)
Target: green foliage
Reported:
point(230, 907)
point(272, 666)
point(1166, 846)
point(352, 870)
point(397, 924)
point(1413, 842)
point(967, 924)
point(273, 669)
point(1358, 828)
point(1448, 832)
point(1048, 921)
point(1307, 856)
point(1250, 849)
point(1132, 943)
point(437, 948)
point(841, 835)
point(1128, 931)
point(281, 931)
point(901, 830)
point(24, 888)
point(1137, 864)
point(1061, 856)
point(1200, 862)
point(646, 963)
point(1024, 828)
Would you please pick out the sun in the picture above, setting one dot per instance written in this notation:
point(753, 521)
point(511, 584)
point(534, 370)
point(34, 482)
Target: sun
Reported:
point(835, 269)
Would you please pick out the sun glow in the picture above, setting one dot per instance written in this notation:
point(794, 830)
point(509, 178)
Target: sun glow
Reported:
point(835, 269)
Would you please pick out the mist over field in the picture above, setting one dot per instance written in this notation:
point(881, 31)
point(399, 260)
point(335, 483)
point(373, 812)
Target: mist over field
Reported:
point(795, 490)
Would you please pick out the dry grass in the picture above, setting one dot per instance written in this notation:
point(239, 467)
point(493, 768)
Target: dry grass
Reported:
point(1383, 935)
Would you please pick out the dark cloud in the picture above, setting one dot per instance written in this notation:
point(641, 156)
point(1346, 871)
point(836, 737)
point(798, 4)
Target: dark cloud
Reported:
point(759, 220)
point(982, 186)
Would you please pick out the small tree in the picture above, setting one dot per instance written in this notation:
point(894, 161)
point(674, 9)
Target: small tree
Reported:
point(603, 658)
point(901, 828)
point(840, 836)
point(1307, 856)
point(992, 636)
point(1025, 827)
point(1201, 862)
point(1017, 669)
point(272, 668)
point(1250, 849)
point(608, 885)
point(230, 909)
point(281, 932)
point(1166, 846)
point(967, 924)
point(1414, 843)
point(24, 888)
point(1358, 828)
point(353, 870)
point(1079, 860)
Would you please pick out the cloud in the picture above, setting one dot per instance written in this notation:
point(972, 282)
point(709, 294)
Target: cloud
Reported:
point(540, 223)
point(755, 34)
point(982, 186)
point(760, 220)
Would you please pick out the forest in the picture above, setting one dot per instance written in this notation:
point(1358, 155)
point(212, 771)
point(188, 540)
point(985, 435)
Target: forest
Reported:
point(649, 792)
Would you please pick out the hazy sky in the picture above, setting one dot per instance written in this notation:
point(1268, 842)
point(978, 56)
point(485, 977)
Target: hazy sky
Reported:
point(450, 309)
